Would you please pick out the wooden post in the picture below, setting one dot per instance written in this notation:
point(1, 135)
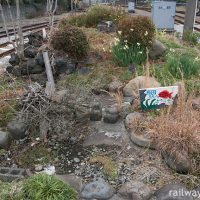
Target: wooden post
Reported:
point(190, 16)
point(50, 86)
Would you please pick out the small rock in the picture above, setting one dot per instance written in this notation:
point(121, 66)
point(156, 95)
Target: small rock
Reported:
point(17, 128)
point(132, 88)
point(172, 192)
point(5, 140)
point(178, 161)
point(115, 86)
point(196, 103)
point(76, 160)
point(30, 52)
point(97, 190)
point(133, 119)
point(38, 168)
point(157, 49)
point(35, 39)
point(137, 190)
point(14, 59)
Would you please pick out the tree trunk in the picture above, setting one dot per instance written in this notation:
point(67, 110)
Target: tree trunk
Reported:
point(20, 33)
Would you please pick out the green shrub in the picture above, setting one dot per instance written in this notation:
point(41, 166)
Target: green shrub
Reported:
point(192, 37)
point(124, 54)
point(71, 40)
point(135, 30)
point(42, 186)
point(94, 15)
point(183, 65)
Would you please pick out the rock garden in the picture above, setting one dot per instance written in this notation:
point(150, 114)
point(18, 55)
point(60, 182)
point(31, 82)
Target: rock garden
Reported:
point(91, 138)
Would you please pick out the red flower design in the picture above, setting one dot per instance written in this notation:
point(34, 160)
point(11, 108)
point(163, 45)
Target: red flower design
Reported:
point(165, 94)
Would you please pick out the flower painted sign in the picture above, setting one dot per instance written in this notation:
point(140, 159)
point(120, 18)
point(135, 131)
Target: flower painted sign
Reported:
point(155, 98)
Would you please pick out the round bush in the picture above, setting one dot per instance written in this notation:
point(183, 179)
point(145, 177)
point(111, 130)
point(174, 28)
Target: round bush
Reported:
point(135, 30)
point(70, 40)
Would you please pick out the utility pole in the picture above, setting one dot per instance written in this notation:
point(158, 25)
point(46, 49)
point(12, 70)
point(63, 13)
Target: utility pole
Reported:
point(190, 15)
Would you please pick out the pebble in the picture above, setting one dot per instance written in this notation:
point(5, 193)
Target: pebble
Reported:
point(76, 160)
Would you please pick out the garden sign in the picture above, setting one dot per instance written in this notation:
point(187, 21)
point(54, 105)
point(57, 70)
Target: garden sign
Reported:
point(156, 98)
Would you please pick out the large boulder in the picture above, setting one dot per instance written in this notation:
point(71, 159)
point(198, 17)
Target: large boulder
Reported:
point(157, 49)
point(132, 88)
point(97, 190)
point(178, 161)
point(5, 140)
point(135, 190)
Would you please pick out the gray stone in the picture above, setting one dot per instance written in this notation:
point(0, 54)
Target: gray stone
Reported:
point(39, 60)
point(142, 140)
point(64, 66)
point(30, 52)
point(115, 86)
point(117, 197)
point(14, 59)
point(132, 88)
point(38, 168)
point(35, 39)
point(108, 135)
point(133, 119)
point(76, 160)
point(172, 192)
point(178, 161)
point(30, 67)
point(157, 49)
point(136, 190)
point(17, 128)
point(96, 112)
point(5, 140)
point(110, 118)
point(97, 190)
point(72, 180)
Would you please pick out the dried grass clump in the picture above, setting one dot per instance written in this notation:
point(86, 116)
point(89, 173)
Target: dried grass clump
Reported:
point(177, 130)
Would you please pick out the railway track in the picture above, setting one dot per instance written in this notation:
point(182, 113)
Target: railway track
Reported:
point(26, 31)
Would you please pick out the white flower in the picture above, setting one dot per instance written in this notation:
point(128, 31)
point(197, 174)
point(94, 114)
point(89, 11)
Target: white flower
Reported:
point(146, 33)
point(126, 46)
point(125, 41)
point(131, 29)
point(197, 59)
point(172, 50)
point(104, 49)
point(140, 52)
point(119, 32)
point(138, 43)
